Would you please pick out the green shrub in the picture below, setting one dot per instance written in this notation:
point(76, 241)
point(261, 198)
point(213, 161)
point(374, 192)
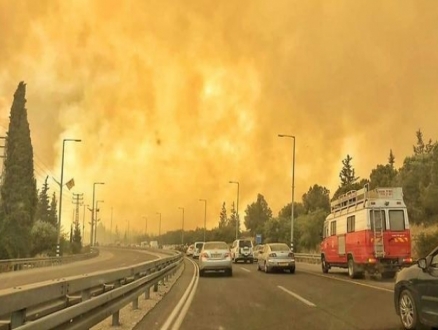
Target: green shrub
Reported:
point(425, 243)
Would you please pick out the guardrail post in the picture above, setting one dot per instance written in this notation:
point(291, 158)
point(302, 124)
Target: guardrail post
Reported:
point(18, 318)
point(116, 318)
point(135, 301)
point(147, 293)
point(156, 287)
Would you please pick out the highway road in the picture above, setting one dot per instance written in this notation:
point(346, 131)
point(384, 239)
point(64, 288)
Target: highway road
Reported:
point(255, 300)
point(108, 259)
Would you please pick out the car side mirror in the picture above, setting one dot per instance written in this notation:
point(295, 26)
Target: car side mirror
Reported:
point(422, 263)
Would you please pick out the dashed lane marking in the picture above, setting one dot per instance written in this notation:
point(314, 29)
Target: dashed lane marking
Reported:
point(293, 294)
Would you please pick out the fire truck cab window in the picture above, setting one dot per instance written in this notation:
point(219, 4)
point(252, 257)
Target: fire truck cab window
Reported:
point(351, 223)
point(378, 218)
point(333, 228)
point(396, 220)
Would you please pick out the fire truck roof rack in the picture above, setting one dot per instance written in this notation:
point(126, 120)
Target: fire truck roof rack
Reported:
point(355, 197)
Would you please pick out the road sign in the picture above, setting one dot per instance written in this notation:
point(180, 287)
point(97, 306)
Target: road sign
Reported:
point(258, 239)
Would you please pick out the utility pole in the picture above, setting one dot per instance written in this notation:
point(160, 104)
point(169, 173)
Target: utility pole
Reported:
point(78, 200)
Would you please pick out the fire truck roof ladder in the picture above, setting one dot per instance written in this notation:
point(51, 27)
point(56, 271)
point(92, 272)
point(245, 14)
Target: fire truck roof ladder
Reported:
point(351, 198)
point(377, 226)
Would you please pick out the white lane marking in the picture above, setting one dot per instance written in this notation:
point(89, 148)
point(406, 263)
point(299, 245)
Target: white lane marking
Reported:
point(246, 270)
point(188, 302)
point(179, 306)
point(348, 281)
point(297, 296)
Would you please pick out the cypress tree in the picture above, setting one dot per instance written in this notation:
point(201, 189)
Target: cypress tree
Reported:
point(43, 207)
point(18, 192)
point(53, 213)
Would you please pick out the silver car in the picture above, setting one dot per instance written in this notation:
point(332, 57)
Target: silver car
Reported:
point(215, 256)
point(276, 256)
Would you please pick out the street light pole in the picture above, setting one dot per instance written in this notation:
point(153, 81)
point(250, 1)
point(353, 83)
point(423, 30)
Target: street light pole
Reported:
point(145, 226)
point(159, 225)
point(205, 215)
point(92, 212)
point(182, 228)
point(293, 190)
point(95, 229)
point(237, 208)
point(60, 194)
point(83, 224)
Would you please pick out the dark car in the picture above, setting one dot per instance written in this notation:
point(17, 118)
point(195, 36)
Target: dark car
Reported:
point(416, 293)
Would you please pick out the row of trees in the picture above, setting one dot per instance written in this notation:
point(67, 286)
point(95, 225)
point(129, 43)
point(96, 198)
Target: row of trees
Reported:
point(28, 218)
point(418, 176)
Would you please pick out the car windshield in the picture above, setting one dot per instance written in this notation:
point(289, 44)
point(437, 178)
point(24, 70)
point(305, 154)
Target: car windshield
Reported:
point(279, 247)
point(215, 246)
point(245, 243)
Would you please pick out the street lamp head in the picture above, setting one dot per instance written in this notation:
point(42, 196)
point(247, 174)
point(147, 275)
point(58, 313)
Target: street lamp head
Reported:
point(285, 135)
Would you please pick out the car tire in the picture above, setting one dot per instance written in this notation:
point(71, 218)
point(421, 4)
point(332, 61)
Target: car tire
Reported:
point(230, 272)
point(324, 266)
point(292, 270)
point(201, 273)
point(408, 311)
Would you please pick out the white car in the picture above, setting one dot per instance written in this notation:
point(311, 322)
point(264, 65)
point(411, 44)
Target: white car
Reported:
point(215, 256)
point(190, 250)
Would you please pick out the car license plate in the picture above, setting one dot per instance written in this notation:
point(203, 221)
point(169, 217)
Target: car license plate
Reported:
point(283, 264)
point(215, 255)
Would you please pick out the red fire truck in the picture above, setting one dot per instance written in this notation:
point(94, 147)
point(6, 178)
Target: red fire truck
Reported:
point(367, 231)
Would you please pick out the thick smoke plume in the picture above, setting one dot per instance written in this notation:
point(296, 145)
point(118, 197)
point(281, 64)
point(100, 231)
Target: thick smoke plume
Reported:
point(174, 99)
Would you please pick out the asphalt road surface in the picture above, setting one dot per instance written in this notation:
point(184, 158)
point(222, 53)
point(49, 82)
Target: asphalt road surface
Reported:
point(108, 259)
point(304, 300)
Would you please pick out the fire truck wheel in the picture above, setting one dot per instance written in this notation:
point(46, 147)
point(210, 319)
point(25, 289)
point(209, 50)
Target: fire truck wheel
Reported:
point(325, 267)
point(352, 269)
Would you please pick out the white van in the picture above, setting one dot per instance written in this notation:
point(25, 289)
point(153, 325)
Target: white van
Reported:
point(198, 248)
point(242, 249)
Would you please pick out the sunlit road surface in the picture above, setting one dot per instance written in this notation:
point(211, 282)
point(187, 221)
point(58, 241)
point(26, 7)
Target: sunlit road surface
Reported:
point(107, 259)
point(305, 300)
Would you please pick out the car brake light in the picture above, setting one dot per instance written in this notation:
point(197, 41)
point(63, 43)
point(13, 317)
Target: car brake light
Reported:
point(228, 255)
point(204, 255)
point(372, 260)
point(272, 255)
point(407, 260)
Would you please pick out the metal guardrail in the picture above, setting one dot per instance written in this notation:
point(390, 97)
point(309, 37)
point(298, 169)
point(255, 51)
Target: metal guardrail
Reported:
point(11, 265)
point(308, 257)
point(80, 302)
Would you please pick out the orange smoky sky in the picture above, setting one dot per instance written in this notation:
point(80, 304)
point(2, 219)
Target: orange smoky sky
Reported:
point(173, 99)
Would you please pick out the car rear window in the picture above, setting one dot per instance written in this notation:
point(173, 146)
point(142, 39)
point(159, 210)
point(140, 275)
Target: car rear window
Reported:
point(279, 247)
point(216, 245)
point(245, 243)
point(199, 245)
